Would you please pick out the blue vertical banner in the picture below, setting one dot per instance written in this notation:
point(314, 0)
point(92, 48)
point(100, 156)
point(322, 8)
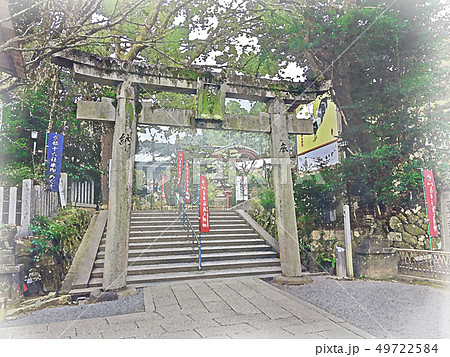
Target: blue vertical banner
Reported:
point(54, 160)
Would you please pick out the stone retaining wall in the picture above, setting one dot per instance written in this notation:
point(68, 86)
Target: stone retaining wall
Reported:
point(409, 229)
point(405, 229)
point(11, 273)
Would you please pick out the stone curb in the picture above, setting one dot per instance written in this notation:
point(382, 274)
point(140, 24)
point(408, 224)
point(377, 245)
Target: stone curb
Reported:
point(66, 285)
point(260, 230)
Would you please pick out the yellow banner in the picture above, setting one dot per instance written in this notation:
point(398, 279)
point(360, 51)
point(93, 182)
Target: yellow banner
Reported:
point(323, 113)
point(319, 149)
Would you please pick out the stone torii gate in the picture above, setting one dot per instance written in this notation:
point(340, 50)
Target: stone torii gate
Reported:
point(211, 90)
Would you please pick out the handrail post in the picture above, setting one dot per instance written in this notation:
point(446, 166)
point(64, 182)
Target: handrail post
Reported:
point(200, 252)
point(199, 229)
point(184, 214)
point(194, 236)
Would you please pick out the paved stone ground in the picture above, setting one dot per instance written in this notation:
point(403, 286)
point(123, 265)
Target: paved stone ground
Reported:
point(226, 308)
point(383, 309)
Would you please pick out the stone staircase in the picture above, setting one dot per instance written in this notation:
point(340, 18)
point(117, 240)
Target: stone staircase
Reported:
point(161, 250)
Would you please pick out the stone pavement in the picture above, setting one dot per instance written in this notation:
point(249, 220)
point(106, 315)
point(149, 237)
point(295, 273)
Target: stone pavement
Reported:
point(225, 308)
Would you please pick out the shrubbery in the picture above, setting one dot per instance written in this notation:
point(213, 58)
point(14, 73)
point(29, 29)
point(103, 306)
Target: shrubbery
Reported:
point(60, 236)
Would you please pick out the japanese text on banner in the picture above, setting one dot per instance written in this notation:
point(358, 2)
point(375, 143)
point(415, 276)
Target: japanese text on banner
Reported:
point(179, 167)
point(163, 181)
point(430, 200)
point(186, 183)
point(204, 210)
point(54, 161)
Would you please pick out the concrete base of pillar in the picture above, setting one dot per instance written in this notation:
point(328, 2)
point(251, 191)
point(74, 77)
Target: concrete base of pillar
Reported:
point(292, 280)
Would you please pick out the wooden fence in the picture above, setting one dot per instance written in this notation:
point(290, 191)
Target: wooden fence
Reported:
point(82, 194)
point(19, 205)
point(424, 263)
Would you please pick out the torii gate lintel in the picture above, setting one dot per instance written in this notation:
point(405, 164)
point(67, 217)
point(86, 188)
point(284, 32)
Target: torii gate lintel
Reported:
point(109, 71)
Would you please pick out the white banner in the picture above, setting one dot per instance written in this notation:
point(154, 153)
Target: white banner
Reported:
point(63, 190)
point(241, 188)
point(316, 159)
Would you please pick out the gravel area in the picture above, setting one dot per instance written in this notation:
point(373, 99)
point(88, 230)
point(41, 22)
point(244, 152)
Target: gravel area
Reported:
point(383, 309)
point(123, 306)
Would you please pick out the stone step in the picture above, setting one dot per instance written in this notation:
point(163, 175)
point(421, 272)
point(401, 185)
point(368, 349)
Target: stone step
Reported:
point(179, 258)
point(76, 292)
point(181, 232)
point(188, 238)
point(193, 266)
point(183, 258)
point(188, 233)
point(151, 269)
point(150, 241)
point(179, 226)
point(145, 280)
point(212, 211)
point(139, 281)
point(191, 215)
point(188, 243)
point(95, 283)
point(187, 250)
point(169, 220)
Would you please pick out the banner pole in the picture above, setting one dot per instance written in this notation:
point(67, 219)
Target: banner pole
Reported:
point(184, 206)
point(184, 195)
point(45, 147)
point(426, 207)
point(199, 223)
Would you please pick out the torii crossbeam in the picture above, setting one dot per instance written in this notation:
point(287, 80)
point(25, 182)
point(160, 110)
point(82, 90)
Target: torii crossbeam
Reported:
point(129, 76)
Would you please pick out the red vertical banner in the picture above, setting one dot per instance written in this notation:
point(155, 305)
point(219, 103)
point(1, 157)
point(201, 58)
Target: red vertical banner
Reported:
point(204, 210)
point(186, 183)
point(179, 167)
point(429, 189)
point(163, 181)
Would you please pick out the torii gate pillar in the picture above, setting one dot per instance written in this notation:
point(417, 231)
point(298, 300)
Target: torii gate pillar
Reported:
point(120, 194)
point(291, 267)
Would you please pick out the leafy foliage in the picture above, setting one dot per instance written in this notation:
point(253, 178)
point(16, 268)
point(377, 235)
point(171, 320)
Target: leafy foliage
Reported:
point(267, 199)
point(56, 237)
point(389, 75)
point(30, 109)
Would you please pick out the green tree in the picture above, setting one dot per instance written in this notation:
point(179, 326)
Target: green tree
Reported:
point(389, 79)
point(39, 109)
point(160, 32)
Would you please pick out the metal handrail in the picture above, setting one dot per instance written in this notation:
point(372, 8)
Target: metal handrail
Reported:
point(196, 238)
